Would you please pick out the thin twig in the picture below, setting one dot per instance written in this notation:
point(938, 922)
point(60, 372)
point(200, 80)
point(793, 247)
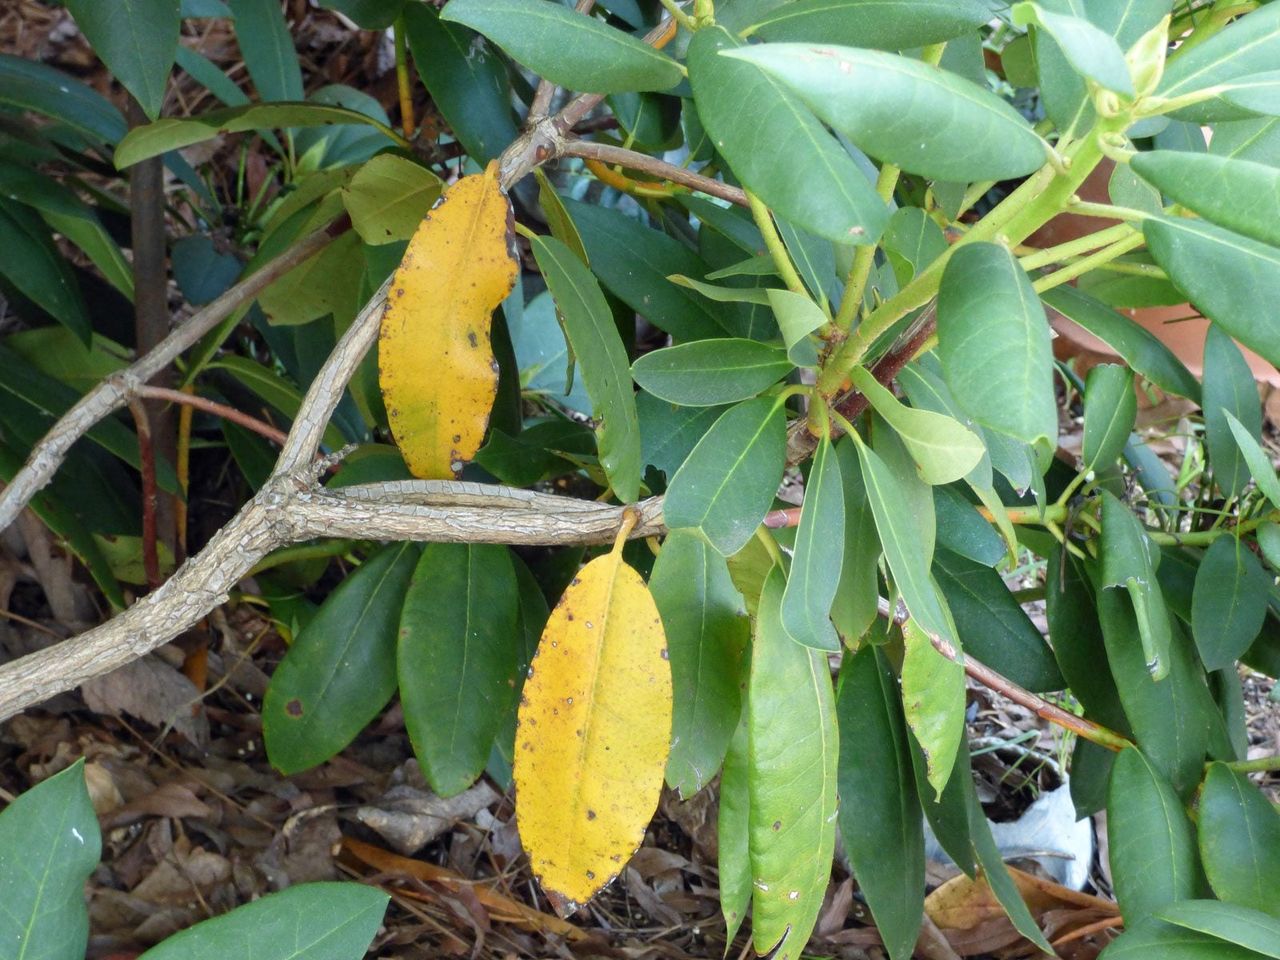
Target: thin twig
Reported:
point(150, 496)
point(546, 91)
point(262, 429)
point(608, 153)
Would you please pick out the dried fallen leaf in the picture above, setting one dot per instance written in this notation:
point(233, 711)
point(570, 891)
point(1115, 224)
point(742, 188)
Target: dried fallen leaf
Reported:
point(435, 363)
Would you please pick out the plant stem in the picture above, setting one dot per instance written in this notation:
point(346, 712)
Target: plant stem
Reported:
point(1084, 265)
point(1064, 251)
point(215, 408)
point(1107, 211)
point(403, 82)
point(777, 249)
point(1256, 765)
point(150, 496)
point(678, 15)
point(864, 257)
point(608, 153)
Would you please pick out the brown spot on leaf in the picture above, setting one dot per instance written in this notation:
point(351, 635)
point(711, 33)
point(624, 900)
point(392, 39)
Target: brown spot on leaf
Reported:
point(294, 707)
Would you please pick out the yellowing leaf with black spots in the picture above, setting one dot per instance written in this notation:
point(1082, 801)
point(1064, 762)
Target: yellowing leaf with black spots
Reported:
point(594, 731)
point(435, 364)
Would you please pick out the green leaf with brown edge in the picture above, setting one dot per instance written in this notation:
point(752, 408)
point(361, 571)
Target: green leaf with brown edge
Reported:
point(986, 298)
point(707, 630)
point(923, 119)
point(880, 820)
point(1264, 474)
point(601, 360)
point(1239, 833)
point(708, 373)
point(933, 699)
point(536, 34)
point(1110, 409)
point(1251, 929)
point(1240, 195)
point(457, 658)
point(136, 39)
point(341, 669)
point(1232, 279)
point(821, 189)
point(992, 625)
point(816, 556)
point(879, 24)
point(727, 484)
point(1152, 845)
point(1229, 602)
point(1229, 388)
point(793, 750)
point(856, 603)
point(49, 845)
point(1249, 45)
point(732, 833)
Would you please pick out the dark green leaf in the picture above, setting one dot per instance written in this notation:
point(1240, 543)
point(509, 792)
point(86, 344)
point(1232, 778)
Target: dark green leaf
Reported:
point(1250, 45)
point(1110, 408)
point(986, 298)
point(33, 264)
point(708, 373)
point(267, 48)
point(882, 24)
point(855, 606)
point(1247, 928)
point(817, 555)
point(341, 669)
point(369, 14)
point(923, 119)
point(1264, 474)
point(727, 484)
point(1240, 841)
point(879, 808)
point(707, 635)
point(948, 815)
point(669, 433)
point(821, 188)
point(49, 844)
point(964, 531)
point(601, 360)
point(456, 659)
point(912, 242)
point(334, 921)
point(29, 85)
point(536, 34)
point(1152, 848)
point(275, 390)
point(136, 39)
point(1128, 560)
point(1237, 194)
point(1156, 938)
point(1229, 388)
point(1229, 603)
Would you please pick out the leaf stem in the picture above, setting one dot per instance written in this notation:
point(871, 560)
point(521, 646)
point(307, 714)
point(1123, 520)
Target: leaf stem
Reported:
point(1084, 265)
point(678, 15)
point(773, 242)
point(403, 81)
point(1256, 765)
point(1064, 251)
point(1083, 208)
point(864, 257)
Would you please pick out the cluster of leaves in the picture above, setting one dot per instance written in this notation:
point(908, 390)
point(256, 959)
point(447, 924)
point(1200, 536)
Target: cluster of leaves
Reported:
point(864, 135)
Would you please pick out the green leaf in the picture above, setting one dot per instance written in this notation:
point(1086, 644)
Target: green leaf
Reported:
point(341, 669)
point(136, 39)
point(275, 390)
point(34, 266)
point(921, 118)
point(467, 80)
point(368, 14)
point(733, 834)
point(1249, 45)
point(42, 89)
point(707, 635)
point(1257, 139)
point(1152, 848)
point(948, 815)
point(985, 299)
point(1240, 841)
point(728, 482)
point(964, 531)
point(267, 48)
point(1247, 928)
point(943, 448)
point(389, 197)
point(86, 231)
point(1140, 348)
point(707, 373)
point(1093, 53)
point(1110, 409)
point(797, 317)
point(634, 262)
point(553, 209)
point(456, 659)
point(821, 188)
point(1237, 194)
point(816, 556)
point(992, 625)
point(933, 699)
point(669, 433)
point(722, 294)
point(912, 242)
point(1264, 474)
point(881, 24)
point(793, 750)
point(536, 34)
point(49, 844)
point(602, 360)
point(856, 603)
point(326, 283)
point(170, 133)
point(1128, 560)
point(880, 820)
point(1229, 603)
point(1155, 938)
point(310, 921)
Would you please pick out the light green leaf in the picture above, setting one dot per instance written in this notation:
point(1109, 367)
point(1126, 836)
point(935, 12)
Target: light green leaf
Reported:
point(707, 373)
point(536, 34)
point(821, 188)
point(275, 390)
point(707, 635)
point(341, 668)
point(1153, 937)
point(136, 39)
point(943, 448)
point(1247, 928)
point(882, 24)
point(49, 844)
point(1128, 560)
point(856, 604)
point(1264, 474)
point(733, 834)
point(1229, 388)
point(986, 299)
point(601, 359)
point(1094, 53)
point(912, 242)
point(1110, 409)
point(728, 482)
point(933, 699)
point(1249, 45)
point(721, 294)
point(310, 921)
point(457, 657)
point(921, 118)
point(1152, 847)
point(388, 198)
point(1240, 841)
point(797, 317)
point(1256, 140)
point(816, 556)
point(1237, 194)
point(793, 750)
point(558, 221)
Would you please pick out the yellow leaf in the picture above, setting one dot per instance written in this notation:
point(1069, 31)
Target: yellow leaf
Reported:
point(435, 364)
point(594, 732)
